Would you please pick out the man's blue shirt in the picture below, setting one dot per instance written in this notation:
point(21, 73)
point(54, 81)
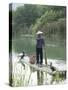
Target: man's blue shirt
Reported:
point(40, 42)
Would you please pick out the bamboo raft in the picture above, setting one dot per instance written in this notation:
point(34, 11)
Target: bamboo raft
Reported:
point(40, 72)
point(43, 68)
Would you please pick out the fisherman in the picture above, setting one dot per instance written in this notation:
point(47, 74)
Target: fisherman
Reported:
point(39, 47)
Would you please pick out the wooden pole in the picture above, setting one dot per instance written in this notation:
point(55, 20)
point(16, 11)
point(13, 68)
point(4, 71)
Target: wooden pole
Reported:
point(45, 55)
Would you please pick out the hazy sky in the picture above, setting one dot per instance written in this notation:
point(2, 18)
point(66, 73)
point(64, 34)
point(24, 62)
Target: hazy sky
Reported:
point(15, 5)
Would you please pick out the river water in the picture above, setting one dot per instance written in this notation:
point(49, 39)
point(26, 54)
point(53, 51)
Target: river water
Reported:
point(26, 77)
point(55, 52)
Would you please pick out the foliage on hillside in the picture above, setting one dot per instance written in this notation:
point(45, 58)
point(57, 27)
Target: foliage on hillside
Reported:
point(28, 19)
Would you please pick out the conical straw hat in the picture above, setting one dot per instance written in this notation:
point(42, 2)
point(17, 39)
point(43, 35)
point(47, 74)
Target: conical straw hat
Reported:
point(39, 32)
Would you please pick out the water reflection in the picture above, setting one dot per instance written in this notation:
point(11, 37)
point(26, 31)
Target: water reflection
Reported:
point(29, 76)
point(40, 78)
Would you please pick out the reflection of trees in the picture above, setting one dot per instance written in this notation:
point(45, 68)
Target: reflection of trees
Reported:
point(40, 77)
point(58, 76)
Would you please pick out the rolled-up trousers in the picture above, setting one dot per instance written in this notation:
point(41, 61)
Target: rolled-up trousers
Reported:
point(39, 55)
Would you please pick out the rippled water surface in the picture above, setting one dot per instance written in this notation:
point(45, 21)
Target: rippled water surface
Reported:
point(27, 77)
point(55, 52)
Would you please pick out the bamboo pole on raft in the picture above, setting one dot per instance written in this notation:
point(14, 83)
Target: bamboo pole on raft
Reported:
point(45, 55)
